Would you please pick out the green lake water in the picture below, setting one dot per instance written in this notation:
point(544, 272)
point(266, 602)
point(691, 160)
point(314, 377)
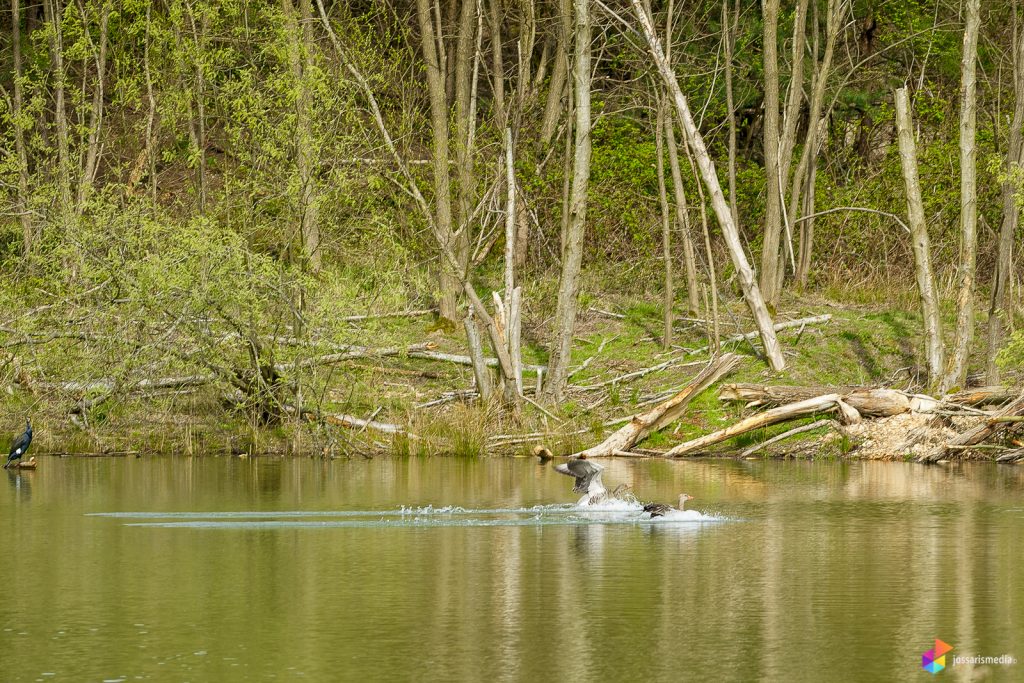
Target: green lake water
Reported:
point(442, 569)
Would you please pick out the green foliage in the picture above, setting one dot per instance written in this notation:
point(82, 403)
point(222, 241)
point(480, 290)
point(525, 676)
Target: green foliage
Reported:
point(624, 183)
point(257, 125)
point(1011, 357)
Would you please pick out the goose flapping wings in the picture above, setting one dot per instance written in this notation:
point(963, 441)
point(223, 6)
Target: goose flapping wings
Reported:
point(586, 473)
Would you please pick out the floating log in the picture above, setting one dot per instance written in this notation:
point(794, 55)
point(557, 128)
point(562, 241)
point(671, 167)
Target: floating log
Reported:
point(819, 404)
point(974, 436)
point(29, 464)
point(867, 402)
point(640, 426)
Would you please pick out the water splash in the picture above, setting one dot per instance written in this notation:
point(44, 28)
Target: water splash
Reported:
point(621, 512)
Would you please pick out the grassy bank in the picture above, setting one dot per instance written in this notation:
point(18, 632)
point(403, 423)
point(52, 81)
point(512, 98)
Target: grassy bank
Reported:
point(871, 339)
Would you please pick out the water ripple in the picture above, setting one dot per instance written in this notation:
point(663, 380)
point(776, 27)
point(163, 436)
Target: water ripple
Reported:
point(618, 512)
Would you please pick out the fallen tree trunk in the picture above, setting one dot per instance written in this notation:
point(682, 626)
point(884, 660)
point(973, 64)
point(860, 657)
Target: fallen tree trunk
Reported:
point(819, 404)
point(348, 421)
point(1015, 455)
point(675, 361)
point(793, 432)
point(353, 422)
point(449, 396)
point(976, 435)
point(868, 402)
point(789, 324)
point(642, 425)
point(983, 395)
point(351, 352)
point(108, 384)
point(378, 316)
point(466, 360)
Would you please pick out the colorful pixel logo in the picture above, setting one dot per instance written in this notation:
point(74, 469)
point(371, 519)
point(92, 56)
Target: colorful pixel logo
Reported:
point(934, 661)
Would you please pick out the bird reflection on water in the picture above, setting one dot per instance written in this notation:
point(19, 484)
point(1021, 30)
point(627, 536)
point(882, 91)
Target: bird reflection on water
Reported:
point(21, 483)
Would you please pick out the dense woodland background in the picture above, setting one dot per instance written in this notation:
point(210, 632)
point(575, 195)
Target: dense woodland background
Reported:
point(199, 195)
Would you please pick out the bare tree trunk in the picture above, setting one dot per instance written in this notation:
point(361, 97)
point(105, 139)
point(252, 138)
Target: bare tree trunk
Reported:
point(527, 38)
point(199, 132)
point(683, 219)
point(679, 191)
point(807, 167)
point(497, 65)
point(729, 29)
point(794, 95)
point(27, 230)
point(151, 121)
point(300, 44)
point(770, 136)
point(556, 89)
point(666, 232)
point(751, 292)
point(805, 257)
point(934, 349)
point(522, 231)
point(510, 218)
point(464, 126)
point(449, 282)
point(476, 352)
point(92, 154)
point(542, 66)
point(54, 16)
point(572, 257)
point(566, 177)
point(957, 371)
point(515, 349)
point(1011, 213)
point(787, 141)
point(307, 172)
point(714, 337)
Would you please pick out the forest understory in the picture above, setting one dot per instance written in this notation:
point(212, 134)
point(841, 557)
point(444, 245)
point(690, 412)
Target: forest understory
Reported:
point(412, 390)
point(470, 228)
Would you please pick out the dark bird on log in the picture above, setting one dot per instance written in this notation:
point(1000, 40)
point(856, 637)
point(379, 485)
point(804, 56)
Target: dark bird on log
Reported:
point(20, 445)
point(661, 509)
point(587, 476)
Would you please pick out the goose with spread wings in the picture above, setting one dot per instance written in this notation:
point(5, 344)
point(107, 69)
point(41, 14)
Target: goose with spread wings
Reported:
point(588, 478)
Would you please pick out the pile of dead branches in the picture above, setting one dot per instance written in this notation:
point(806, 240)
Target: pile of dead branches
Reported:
point(880, 422)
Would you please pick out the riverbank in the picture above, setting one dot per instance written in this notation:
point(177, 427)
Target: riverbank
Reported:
point(620, 367)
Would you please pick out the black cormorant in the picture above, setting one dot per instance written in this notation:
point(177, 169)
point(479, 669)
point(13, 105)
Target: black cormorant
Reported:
point(20, 445)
